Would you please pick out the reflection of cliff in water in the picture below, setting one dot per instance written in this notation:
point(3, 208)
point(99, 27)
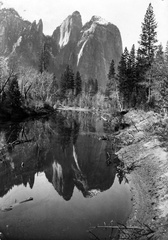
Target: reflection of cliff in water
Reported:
point(57, 148)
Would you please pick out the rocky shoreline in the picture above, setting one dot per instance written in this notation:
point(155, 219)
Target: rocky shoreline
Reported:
point(141, 144)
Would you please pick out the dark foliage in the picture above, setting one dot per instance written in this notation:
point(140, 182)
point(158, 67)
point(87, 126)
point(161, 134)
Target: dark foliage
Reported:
point(13, 98)
point(78, 84)
point(111, 84)
point(91, 87)
point(67, 81)
point(44, 59)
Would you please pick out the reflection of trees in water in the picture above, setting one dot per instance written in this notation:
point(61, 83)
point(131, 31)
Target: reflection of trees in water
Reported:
point(88, 122)
point(26, 148)
point(51, 149)
point(68, 128)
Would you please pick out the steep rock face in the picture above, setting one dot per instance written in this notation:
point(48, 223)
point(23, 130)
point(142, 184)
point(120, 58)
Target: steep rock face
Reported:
point(69, 30)
point(11, 26)
point(20, 37)
point(88, 49)
point(66, 37)
point(32, 42)
point(100, 42)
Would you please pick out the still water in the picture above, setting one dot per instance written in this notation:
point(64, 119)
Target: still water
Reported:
point(58, 178)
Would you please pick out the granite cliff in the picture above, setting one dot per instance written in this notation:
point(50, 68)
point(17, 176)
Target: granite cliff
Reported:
point(88, 48)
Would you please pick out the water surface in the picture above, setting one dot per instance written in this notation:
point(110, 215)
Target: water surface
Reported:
point(58, 178)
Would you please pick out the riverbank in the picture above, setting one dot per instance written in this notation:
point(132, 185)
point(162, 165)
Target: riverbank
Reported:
point(141, 144)
point(19, 114)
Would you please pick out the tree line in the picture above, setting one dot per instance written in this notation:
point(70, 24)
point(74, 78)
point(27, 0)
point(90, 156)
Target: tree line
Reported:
point(140, 80)
point(142, 74)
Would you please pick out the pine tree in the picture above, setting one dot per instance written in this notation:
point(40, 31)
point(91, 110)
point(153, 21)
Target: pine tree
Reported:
point(131, 75)
point(159, 73)
point(67, 81)
point(111, 73)
point(78, 84)
point(13, 95)
point(146, 54)
point(148, 38)
point(123, 80)
point(70, 78)
point(131, 58)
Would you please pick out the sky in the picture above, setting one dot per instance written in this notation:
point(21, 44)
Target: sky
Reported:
point(127, 15)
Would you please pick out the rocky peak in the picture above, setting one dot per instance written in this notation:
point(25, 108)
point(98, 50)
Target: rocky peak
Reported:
point(40, 26)
point(99, 20)
point(8, 13)
point(34, 26)
point(76, 14)
point(10, 29)
point(69, 30)
point(88, 49)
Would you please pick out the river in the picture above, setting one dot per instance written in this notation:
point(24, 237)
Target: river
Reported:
point(58, 179)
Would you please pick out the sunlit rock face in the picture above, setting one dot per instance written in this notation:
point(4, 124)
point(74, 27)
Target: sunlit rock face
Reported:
point(88, 49)
point(100, 42)
point(66, 37)
point(11, 26)
point(82, 165)
point(69, 30)
point(20, 38)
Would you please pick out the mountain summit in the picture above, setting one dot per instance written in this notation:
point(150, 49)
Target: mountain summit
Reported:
point(99, 20)
point(69, 30)
point(88, 49)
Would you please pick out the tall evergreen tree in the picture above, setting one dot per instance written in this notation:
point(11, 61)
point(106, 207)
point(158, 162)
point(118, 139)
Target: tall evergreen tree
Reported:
point(70, 78)
point(148, 37)
point(131, 75)
point(132, 58)
point(123, 80)
point(78, 84)
point(146, 54)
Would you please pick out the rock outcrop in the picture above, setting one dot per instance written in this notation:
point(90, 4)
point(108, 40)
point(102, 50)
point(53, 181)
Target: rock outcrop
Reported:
point(20, 38)
point(88, 49)
point(69, 30)
point(99, 43)
point(11, 26)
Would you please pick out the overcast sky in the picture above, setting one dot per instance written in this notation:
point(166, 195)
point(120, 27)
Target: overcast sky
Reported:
point(127, 15)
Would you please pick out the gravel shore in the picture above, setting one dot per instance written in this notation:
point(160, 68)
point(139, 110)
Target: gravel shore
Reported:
point(149, 180)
